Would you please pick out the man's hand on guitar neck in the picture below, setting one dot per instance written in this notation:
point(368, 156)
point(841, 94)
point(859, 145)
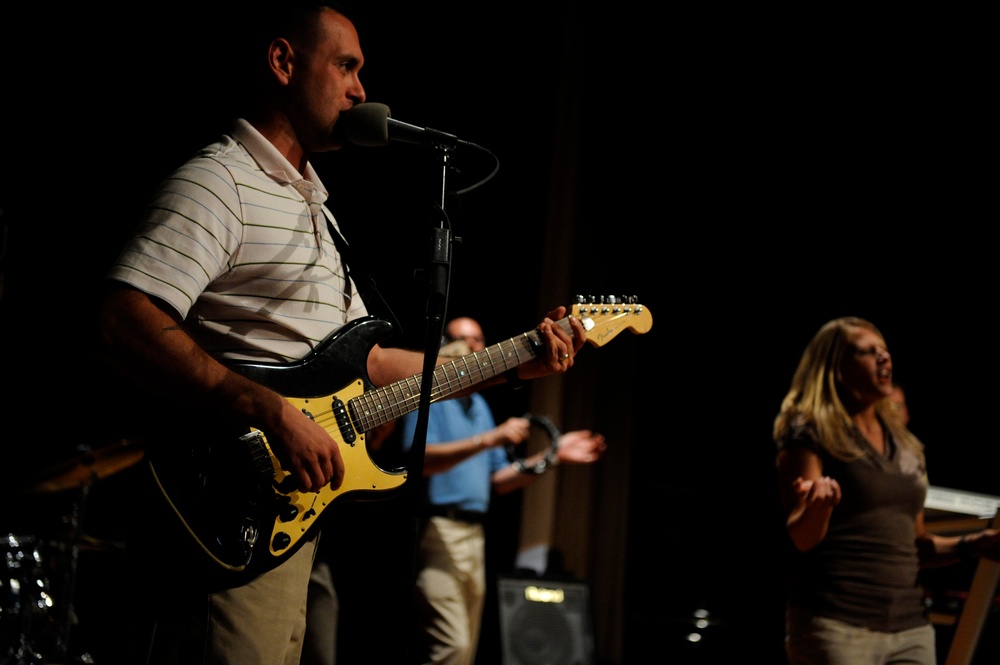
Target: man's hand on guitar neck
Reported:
point(387, 365)
point(560, 348)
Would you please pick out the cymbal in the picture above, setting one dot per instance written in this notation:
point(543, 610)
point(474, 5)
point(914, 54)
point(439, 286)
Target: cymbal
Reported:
point(88, 467)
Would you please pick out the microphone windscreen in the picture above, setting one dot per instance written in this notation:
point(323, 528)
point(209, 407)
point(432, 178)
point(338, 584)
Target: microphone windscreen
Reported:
point(366, 124)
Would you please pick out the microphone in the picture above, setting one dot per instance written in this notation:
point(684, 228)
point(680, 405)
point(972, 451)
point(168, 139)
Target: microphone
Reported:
point(369, 125)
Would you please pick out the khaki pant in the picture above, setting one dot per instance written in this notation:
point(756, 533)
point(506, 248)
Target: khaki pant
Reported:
point(260, 623)
point(451, 589)
point(322, 617)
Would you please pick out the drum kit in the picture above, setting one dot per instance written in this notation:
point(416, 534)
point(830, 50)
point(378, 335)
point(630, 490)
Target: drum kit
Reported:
point(38, 575)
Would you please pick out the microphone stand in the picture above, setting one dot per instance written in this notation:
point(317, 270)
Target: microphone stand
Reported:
point(438, 277)
point(438, 285)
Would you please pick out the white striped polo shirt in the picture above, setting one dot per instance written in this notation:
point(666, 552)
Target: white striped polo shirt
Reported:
point(236, 240)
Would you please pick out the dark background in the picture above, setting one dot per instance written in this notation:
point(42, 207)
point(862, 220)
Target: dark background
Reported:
point(748, 175)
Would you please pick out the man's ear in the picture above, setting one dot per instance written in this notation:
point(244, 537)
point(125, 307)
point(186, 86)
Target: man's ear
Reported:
point(280, 58)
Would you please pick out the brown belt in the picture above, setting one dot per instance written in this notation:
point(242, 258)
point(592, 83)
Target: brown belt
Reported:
point(453, 513)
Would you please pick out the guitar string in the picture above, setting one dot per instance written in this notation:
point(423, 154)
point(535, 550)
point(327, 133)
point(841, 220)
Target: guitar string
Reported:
point(381, 405)
point(370, 412)
point(481, 369)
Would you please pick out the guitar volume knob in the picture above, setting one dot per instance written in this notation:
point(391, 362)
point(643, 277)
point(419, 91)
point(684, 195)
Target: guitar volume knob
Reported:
point(280, 541)
point(288, 513)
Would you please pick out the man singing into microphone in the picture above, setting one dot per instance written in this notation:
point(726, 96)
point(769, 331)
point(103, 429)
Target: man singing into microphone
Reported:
point(234, 260)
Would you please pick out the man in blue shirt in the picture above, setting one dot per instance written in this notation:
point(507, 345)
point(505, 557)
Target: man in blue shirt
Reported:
point(465, 461)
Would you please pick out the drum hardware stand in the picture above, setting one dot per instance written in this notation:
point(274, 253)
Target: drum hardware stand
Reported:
point(75, 538)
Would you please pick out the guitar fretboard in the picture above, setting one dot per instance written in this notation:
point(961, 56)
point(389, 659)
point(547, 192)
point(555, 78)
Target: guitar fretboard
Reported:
point(381, 405)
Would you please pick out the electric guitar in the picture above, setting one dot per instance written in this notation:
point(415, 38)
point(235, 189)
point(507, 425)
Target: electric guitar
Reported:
point(242, 509)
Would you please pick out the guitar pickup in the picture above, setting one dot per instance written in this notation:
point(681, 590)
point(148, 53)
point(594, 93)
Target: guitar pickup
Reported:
point(347, 432)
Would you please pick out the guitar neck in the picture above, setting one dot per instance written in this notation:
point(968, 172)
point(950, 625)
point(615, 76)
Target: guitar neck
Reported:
point(381, 405)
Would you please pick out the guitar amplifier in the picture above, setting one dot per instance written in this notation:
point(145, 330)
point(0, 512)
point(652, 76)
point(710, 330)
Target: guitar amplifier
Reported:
point(545, 622)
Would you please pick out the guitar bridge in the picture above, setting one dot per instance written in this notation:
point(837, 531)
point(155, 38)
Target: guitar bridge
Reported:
point(260, 457)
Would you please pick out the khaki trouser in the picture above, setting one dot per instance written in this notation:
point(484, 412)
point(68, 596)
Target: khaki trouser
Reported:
point(260, 623)
point(451, 589)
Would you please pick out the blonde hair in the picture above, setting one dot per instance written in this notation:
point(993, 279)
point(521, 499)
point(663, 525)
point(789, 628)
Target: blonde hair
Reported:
point(814, 396)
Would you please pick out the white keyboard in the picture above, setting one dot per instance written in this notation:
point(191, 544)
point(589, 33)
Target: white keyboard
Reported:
point(982, 506)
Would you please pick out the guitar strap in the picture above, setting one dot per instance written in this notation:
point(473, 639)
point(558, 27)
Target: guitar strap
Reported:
point(354, 270)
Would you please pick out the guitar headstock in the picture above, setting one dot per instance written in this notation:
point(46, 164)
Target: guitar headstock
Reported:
point(603, 317)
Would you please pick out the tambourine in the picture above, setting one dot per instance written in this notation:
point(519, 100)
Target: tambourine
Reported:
point(551, 459)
